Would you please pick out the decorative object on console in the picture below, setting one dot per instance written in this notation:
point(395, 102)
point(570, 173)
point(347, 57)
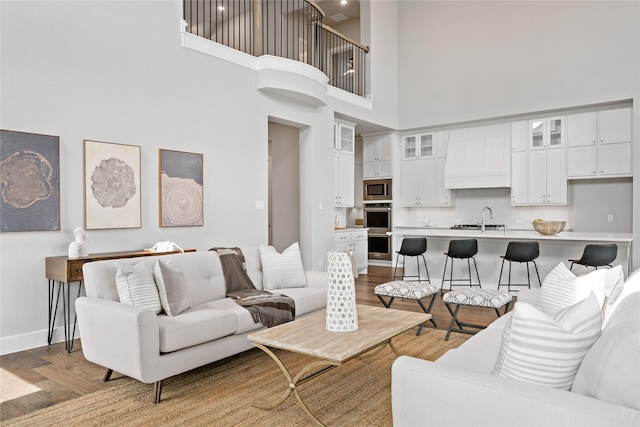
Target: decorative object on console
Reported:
point(342, 315)
point(111, 185)
point(79, 247)
point(548, 227)
point(181, 189)
point(30, 181)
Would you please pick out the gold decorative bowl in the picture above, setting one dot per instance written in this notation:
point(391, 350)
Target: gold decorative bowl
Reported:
point(548, 227)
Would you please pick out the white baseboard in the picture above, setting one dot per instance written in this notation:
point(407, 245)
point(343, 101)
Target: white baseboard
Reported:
point(31, 340)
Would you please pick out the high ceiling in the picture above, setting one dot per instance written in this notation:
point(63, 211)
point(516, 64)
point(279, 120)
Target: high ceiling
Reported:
point(334, 12)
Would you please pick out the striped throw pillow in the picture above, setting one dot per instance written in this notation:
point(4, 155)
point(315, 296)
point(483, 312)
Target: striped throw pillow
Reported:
point(137, 287)
point(283, 270)
point(561, 288)
point(544, 350)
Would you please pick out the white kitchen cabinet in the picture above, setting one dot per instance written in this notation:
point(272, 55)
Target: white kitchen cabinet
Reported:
point(377, 156)
point(614, 159)
point(344, 137)
point(519, 135)
point(547, 177)
point(376, 148)
point(519, 178)
point(377, 170)
point(614, 126)
point(547, 132)
point(599, 144)
point(441, 143)
point(419, 182)
point(444, 196)
point(355, 241)
point(344, 179)
point(582, 161)
point(418, 146)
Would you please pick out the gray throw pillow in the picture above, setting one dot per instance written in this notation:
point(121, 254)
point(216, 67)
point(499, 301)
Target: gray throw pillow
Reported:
point(172, 286)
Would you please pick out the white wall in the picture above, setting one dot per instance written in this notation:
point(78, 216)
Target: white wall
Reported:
point(116, 72)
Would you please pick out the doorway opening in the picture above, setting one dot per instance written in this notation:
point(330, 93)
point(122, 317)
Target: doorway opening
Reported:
point(284, 185)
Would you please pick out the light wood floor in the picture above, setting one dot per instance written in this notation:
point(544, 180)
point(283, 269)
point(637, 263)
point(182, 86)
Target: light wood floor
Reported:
point(49, 375)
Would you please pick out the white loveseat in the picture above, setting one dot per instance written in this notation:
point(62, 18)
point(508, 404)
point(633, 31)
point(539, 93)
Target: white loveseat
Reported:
point(151, 347)
point(460, 389)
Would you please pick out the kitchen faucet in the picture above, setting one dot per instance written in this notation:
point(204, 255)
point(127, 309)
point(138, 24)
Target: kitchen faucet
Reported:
point(482, 227)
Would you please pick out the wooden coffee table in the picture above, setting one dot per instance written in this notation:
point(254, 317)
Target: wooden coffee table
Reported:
point(308, 336)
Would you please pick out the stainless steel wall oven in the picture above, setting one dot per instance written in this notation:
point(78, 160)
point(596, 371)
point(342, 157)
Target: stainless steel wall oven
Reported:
point(377, 217)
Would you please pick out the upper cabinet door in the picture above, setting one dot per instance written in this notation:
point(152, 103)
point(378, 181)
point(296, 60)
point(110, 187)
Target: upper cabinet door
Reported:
point(582, 129)
point(546, 132)
point(519, 135)
point(409, 147)
point(426, 145)
point(346, 138)
point(614, 126)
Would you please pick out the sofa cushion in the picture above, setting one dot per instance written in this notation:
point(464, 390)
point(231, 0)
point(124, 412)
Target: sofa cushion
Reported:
point(561, 288)
point(283, 270)
point(306, 299)
point(172, 286)
point(547, 350)
point(137, 287)
point(610, 370)
point(244, 320)
point(478, 353)
point(198, 325)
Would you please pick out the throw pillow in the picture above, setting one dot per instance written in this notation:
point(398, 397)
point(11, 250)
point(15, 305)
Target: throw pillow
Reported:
point(544, 350)
point(561, 288)
point(613, 284)
point(283, 270)
point(173, 287)
point(137, 287)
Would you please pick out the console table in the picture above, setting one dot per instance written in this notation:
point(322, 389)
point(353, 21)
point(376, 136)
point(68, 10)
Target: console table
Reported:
point(61, 271)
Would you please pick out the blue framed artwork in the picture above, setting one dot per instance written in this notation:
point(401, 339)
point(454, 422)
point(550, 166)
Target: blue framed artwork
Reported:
point(29, 182)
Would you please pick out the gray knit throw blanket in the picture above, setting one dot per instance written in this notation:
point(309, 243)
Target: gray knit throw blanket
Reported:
point(265, 307)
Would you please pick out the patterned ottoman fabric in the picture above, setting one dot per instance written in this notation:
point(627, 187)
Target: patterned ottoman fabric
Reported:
point(409, 290)
point(478, 297)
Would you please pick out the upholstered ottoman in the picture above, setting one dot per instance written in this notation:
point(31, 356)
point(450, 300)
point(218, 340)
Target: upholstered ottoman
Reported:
point(408, 290)
point(487, 298)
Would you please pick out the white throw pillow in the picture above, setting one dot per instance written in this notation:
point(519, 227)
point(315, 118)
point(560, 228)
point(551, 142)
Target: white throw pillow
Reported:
point(136, 286)
point(544, 350)
point(172, 286)
point(561, 288)
point(283, 270)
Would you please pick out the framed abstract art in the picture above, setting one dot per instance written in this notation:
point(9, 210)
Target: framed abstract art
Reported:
point(29, 182)
point(111, 185)
point(181, 192)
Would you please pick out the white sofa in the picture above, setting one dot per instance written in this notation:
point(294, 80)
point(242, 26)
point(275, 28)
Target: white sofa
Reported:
point(459, 388)
point(151, 347)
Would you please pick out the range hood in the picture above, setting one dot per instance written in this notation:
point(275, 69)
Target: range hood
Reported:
point(479, 157)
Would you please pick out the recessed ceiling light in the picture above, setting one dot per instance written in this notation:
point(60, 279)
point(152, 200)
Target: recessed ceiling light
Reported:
point(343, 1)
point(221, 8)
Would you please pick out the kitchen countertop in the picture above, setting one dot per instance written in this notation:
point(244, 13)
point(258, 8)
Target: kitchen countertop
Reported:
point(574, 236)
point(350, 228)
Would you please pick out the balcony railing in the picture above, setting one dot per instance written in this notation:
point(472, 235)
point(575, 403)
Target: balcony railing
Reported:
point(290, 29)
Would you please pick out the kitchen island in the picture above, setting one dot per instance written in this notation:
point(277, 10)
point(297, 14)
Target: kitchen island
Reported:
point(493, 243)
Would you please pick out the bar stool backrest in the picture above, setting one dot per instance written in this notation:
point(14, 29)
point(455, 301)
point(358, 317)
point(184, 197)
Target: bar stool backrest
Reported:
point(522, 251)
point(462, 248)
point(598, 255)
point(413, 246)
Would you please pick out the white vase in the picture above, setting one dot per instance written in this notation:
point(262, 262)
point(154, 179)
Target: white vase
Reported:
point(342, 315)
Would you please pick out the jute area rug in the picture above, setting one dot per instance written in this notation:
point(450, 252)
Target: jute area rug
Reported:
point(220, 394)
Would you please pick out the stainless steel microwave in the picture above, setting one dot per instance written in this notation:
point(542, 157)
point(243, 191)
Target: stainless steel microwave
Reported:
point(376, 189)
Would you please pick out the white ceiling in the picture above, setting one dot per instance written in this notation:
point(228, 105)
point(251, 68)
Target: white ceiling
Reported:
point(334, 12)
